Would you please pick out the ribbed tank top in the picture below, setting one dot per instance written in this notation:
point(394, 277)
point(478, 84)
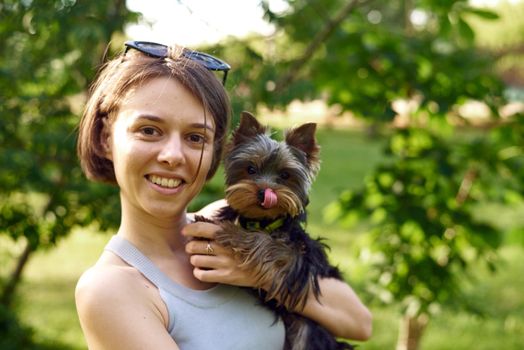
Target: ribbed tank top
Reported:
point(222, 317)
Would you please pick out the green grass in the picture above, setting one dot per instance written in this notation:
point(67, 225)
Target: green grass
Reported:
point(346, 158)
point(46, 297)
point(47, 293)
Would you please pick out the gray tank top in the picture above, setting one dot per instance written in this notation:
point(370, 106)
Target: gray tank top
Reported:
point(223, 317)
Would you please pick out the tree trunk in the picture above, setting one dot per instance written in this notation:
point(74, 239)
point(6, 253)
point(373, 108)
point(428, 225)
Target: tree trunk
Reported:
point(410, 332)
point(14, 278)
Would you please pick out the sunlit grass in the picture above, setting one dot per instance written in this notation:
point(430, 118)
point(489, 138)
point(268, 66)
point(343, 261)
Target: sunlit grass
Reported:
point(346, 158)
point(47, 293)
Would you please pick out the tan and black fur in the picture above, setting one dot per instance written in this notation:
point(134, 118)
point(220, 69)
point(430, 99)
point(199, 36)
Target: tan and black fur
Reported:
point(268, 183)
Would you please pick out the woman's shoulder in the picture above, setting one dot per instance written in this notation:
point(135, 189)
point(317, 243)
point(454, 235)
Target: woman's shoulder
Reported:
point(110, 283)
point(109, 272)
point(117, 305)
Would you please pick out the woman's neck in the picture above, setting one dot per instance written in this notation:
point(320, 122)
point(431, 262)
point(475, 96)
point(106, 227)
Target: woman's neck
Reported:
point(154, 236)
point(161, 241)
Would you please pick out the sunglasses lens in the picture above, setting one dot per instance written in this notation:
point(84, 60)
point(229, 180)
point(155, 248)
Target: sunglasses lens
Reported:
point(156, 50)
point(161, 51)
point(208, 61)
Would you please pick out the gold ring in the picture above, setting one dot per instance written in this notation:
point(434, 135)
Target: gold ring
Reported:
point(209, 249)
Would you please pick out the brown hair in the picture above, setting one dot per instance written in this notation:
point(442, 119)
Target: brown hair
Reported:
point(127, 71)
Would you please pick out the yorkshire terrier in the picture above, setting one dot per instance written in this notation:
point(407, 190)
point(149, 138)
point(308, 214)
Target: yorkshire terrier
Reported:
point(267, 186)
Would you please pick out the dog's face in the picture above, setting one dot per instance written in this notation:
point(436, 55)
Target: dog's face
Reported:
point(266, 178)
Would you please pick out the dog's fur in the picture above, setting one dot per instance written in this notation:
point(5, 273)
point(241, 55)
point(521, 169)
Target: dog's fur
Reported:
point(267, 192)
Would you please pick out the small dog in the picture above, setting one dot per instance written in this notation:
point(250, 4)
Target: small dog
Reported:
point(267, 192)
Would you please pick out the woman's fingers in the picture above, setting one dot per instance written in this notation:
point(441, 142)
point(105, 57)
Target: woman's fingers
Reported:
point(212, 276)
point(204, 230)
point(221, 269)
point(205, 247)
point(201, 235)
point(210, 261)
point(215, 269)
point(225, 275)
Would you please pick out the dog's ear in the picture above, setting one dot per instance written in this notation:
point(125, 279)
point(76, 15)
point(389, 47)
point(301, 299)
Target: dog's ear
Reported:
point(303, 138)
point(248, 128)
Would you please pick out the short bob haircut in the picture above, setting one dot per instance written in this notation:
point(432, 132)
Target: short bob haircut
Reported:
point(127, 71)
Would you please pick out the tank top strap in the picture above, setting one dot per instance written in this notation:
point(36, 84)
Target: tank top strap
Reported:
point(203, 298)
point(197, 317)
point(134, 257)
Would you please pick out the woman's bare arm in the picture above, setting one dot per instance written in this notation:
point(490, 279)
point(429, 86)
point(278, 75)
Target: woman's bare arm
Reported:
point(339, 310)
point(117, 311)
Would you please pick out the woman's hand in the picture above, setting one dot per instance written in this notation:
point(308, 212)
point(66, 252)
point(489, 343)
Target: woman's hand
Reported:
point(215, 265)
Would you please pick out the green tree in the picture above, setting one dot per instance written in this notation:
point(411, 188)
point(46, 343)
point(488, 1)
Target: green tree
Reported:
point(49, 53)
point(362, 56)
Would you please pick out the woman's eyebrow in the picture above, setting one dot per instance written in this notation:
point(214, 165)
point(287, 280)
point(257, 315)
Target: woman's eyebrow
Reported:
point(203, 126)
point(154, 118)
point(150, 117)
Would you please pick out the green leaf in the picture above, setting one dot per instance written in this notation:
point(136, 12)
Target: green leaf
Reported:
point(482, 13)
point(465, 31)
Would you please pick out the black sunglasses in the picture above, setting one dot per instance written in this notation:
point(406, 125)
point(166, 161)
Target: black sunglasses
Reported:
point(160, 51)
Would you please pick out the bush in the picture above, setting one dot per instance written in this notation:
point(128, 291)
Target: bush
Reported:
point(14, 335)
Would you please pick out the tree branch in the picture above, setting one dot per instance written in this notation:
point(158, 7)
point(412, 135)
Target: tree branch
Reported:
point(10, 286)
point(321, 36)
point(465, 186)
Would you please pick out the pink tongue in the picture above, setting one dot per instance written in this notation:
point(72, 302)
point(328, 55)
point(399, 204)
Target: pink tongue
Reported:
point(270, 198)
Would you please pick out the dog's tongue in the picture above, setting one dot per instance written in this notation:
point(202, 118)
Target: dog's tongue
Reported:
point(270, 198)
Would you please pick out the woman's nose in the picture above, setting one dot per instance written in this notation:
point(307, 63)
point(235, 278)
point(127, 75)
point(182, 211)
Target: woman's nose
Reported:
point(172, 152)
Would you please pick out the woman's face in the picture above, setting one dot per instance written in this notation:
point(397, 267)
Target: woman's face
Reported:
point(156, 143)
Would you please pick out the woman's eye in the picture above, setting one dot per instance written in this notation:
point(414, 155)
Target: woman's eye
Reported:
point(149, 131)
point(196, 138)
point(251, 170)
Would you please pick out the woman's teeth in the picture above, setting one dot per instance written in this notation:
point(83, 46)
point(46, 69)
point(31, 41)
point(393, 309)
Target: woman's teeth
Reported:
point(164, 182)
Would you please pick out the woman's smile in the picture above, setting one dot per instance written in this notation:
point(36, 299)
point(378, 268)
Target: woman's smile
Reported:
point(164, 182)
point(162, 147)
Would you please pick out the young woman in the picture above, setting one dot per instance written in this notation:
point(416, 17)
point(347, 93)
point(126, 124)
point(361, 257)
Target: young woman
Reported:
point(155, 125)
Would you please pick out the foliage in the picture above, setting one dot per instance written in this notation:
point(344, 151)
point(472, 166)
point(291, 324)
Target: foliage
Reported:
point(12, 334)
point(421, 205)
point(50, 50)
point(423, 236)
point(504, 39)
point(374, 56)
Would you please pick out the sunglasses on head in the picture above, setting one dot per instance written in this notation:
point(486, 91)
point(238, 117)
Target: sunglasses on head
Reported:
point(161, 51)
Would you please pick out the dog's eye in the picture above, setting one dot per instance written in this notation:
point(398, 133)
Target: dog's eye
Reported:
point(251, 170)
point(284, 175)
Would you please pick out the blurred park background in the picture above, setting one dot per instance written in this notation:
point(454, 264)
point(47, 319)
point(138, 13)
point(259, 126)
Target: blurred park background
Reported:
point(420, 196)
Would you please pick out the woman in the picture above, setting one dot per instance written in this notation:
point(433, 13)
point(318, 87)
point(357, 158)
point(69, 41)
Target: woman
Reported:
point(154, 125)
